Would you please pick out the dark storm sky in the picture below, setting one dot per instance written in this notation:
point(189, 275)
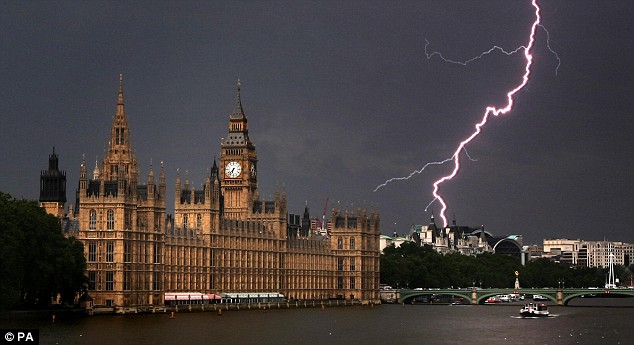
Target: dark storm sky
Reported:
point(339, 97)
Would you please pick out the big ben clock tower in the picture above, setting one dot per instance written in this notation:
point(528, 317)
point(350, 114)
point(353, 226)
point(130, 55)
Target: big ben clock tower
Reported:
point(238, 165)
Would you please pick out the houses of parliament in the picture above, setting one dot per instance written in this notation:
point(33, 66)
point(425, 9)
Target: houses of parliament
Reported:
point(221, 238)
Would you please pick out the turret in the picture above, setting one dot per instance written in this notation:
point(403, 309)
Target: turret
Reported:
point(83, 178)
point(96, 172)
point(162, 183)
point(433, 228)
point(53, 187)
point(177, 189)
point(207, 188)
point(483, 237)
point(53, 181)
point(215, 178)
point(305, 228)
point(150, 182)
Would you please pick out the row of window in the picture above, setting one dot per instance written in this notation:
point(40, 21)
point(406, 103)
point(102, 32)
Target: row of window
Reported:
point(92, 281)
point(340, 264)
point(127, 252)
point(92, 251)
point(199, 221)
point(142, 221)
point(92, 221)
point(352, 283)
point(94, 284)
point(340, 243)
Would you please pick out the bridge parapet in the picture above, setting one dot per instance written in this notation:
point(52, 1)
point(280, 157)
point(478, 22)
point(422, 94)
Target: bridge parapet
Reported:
point(560, 296)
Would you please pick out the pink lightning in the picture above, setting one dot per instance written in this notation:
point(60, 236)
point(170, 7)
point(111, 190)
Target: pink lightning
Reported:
point(490, 110)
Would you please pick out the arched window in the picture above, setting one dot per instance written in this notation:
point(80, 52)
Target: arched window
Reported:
point(199, 221)
point(110, 220)
point(93, 220)
point(339, 243)
point(185, 221)
point(351, 242)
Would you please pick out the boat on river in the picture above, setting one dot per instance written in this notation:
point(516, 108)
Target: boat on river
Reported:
point(534, 310)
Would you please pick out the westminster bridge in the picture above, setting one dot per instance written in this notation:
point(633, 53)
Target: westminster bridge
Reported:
point(561, 296)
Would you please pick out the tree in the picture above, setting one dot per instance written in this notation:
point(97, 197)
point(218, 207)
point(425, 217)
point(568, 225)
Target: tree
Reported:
point(36, 261)
point(415, 266)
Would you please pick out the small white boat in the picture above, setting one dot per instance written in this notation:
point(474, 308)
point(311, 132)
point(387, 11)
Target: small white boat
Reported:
point(534, 310)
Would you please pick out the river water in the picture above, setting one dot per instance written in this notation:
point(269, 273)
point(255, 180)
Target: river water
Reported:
point(384, 324)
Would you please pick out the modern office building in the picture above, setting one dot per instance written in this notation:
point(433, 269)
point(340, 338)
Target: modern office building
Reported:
point(584, 253)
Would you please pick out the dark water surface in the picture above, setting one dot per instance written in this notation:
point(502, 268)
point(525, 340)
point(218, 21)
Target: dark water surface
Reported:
point(385, 324)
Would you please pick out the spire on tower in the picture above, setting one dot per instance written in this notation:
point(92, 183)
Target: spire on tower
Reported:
point(151, 172)
point(120, 110)
point(53, 161)
point(96, 172)
point(119, 157)
point(214, 170)
point(162, 174)
point(238, 111)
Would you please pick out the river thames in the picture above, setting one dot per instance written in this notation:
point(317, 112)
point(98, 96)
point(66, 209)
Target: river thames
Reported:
point(383, 324)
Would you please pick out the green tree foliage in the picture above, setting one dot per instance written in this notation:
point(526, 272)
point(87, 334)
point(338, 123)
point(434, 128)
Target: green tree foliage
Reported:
point(36, 261)
point(413, 266)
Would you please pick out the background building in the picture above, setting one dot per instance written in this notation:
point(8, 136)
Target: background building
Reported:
point(459, 239)
point(589, 253)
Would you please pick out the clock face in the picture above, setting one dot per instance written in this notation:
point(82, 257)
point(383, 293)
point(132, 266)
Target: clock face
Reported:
point(233, 169)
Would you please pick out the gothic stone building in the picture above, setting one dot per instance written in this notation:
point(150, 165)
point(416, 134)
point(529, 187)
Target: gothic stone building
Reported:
point(221, 239)
point(53, 187)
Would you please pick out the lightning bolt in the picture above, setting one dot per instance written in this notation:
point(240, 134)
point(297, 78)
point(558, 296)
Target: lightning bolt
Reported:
point(550, 49)
point(419, 171)
point(464, 63)
point(492, 49)
point(490, 110)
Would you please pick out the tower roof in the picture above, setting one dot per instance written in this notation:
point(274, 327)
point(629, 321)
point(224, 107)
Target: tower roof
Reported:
point(238, 127)
point(238, 111)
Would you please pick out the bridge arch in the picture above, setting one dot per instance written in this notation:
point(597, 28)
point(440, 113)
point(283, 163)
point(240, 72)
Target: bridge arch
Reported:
point(406, 296)
point(484, 295)
point(567, 297)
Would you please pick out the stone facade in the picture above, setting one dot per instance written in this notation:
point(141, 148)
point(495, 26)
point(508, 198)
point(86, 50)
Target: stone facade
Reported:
point(221, 239)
